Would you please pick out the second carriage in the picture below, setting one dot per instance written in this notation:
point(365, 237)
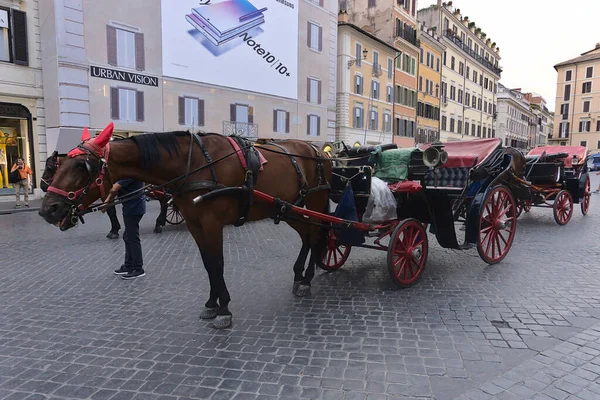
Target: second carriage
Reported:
point(469, 191)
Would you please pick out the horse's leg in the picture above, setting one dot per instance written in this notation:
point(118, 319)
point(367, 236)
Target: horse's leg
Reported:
point(161, 220)
point(299, 265)
point(209, 238)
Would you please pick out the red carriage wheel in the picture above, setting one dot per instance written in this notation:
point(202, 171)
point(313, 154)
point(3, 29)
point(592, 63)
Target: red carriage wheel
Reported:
point(585, 203)
point(497, 225)
point(174, 217)
point(563, 207)
point(407, 253)
point(335, 254)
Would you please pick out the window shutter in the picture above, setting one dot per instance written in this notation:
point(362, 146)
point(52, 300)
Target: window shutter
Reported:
point(114, 103)
point(319, 92)
point(111, 45)
point(200, 112)
point(318, 126)
point(181, 111)
point(19, 37)
point(321, 37)
point(232, 112)
point(274, 120)
point(414, 7)
point(308, 89)
point(355, 83)
point(250, 115)
point(287, 122)
point(308, 34)
point(139, 105)
point(362, 87)
point(308, 124)
point(321, 3)
point(140, 56)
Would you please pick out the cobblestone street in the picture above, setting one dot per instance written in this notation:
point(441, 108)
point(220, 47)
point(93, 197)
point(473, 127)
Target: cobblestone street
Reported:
point(527, 328)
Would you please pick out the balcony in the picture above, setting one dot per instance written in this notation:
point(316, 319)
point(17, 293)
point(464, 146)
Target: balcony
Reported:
point(485, 63)
point(244, 129)
point(377, 70)
point(409, 35)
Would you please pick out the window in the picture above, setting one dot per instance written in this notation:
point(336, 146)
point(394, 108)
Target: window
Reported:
point(583, 143)
point(589, 72)
point(475, 76)
point(390, 68)
point(373, 120)
point(420, 84)
point(461, 68)
point(375, 89)
point(389, 94)
point(398, 94)
point(371, 3)
point(568, 75)
point(564, 130)
point(343, 5)
point(478, 130)
point(459, 126)
point(281, 121)
point(399, 60)
point(358, 117)
point(584, 126)
point(191, 111)
point(452, 92)
point(358, 84)
point(315, 36)
point(243, 115)
point(438, 64)
point(467, 99)
point(422, 57)
point(485, 106)
point(412, 66)
point(443, 122)
point(125, 48)
point(451, 124)
point(13, 36)
point(126, 104)
point(466, 128)
point(598, 128)
point(358, 54)
point(485, 83)
point(452, 61)
point(484, 132)
point(474, 103)
point(586, 87)
point(460, 96)
point(387, 122)
point(313, 92)
point(567, 94)
point(564, 110)
point(313, 127)
point(586, 106)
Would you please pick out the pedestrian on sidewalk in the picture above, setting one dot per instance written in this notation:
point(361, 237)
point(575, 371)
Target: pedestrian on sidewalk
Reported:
point(24, 173)
point(134, 209)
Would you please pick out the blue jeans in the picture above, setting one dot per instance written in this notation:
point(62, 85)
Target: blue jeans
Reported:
point(133, 245)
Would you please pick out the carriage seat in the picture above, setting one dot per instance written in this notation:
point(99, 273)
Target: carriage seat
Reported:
point(542, 173)
point(456, 177)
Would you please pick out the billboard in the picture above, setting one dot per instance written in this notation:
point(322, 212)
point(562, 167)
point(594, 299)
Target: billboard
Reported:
point(242, 44)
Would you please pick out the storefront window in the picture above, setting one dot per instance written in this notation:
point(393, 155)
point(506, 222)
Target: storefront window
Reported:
point(13, 144)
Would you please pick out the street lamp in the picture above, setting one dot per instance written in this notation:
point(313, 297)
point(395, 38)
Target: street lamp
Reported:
point(351, 62)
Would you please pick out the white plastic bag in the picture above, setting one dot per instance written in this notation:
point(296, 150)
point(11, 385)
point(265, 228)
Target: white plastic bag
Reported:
point(382, 204)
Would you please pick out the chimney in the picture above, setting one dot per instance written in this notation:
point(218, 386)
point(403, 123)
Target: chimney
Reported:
point(597, 45)
point(343, 16)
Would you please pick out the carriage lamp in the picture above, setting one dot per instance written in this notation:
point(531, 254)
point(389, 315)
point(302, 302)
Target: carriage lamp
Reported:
point(351, 62)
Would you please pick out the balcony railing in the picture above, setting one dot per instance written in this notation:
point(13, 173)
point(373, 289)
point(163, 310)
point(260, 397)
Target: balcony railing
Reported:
point(377, 69)
point(244, 129)
point(450, 35)
point(409, 36)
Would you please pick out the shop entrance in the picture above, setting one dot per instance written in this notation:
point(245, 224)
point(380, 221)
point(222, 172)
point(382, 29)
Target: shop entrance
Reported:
point(16, 140)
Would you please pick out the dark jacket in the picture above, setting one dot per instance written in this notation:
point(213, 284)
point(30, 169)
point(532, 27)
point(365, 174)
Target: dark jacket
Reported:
point(137, 204)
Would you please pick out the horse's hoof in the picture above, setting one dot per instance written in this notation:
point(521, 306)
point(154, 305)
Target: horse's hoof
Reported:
point(222, 321)
point(303, 290)
point(295, 287)
point(208, 313)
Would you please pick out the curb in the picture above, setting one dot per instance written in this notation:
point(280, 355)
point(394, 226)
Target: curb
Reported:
point(19, 210)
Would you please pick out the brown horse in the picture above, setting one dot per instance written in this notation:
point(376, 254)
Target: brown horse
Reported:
point(89, 171)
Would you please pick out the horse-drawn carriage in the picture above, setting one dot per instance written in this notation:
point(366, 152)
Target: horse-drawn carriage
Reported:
point(173, 215)
point(555, 177)
point(469, 188)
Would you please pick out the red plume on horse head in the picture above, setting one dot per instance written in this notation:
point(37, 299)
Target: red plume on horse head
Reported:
point(85, 135)
point(97, 144)
point(104, 137)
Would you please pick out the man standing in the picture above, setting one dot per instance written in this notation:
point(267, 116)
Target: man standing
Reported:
point(24, 182)
point(134, 209)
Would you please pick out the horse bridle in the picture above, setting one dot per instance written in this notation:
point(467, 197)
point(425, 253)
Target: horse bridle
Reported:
point(74, 198)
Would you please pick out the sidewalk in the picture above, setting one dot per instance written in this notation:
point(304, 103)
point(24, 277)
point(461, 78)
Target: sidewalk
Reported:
point(7, 207)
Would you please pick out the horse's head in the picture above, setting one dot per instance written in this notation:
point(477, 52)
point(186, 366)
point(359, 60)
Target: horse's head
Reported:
point(76, 181)
point(52, 163)
point(518, 161)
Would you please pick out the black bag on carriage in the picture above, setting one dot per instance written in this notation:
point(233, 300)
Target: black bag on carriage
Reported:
point(346, 209)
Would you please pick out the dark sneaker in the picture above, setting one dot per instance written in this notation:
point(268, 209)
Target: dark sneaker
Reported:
point(123, 270)
point(136, 273)
point(18, 206)
point(112, 235)
point(27, 205)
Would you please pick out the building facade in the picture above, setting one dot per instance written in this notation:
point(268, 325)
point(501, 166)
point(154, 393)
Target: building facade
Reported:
point(21, 95)
point(394, 22)
point(515, 118)
point(149, 66)
point(542, 119)
point(429, 85)
point(577, 113)
point(365, 86)
point(470, 74)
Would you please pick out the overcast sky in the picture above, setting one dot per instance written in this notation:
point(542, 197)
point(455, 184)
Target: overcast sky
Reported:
point(533, 36)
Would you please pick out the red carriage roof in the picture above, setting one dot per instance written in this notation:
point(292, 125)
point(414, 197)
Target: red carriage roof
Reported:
point(579, 151)
point(462, 154)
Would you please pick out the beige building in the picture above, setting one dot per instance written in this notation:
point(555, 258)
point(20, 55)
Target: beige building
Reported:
point(577, 114)
point(516, 121)
point(21, 95)
point(543, 120)
point(470, 74)
point(365, 86)
point(151, 65)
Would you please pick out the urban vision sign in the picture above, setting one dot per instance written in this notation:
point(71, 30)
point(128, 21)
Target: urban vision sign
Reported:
point(123, 76)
